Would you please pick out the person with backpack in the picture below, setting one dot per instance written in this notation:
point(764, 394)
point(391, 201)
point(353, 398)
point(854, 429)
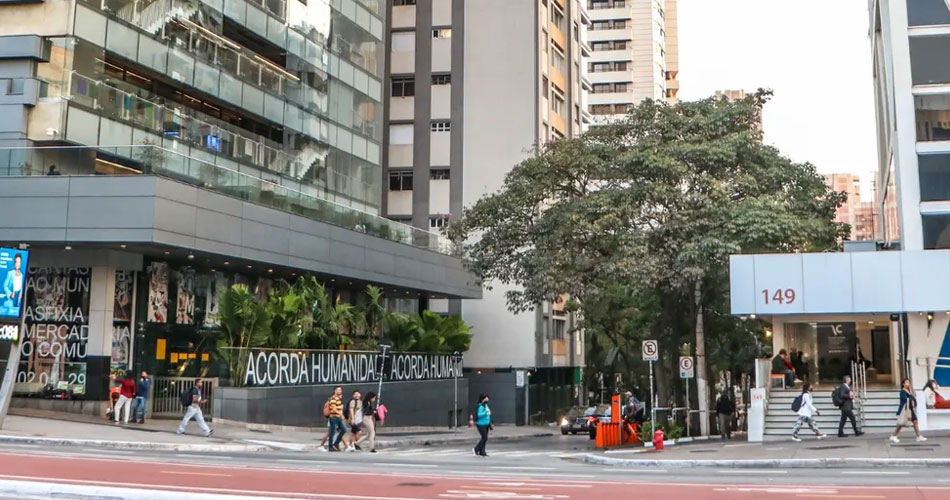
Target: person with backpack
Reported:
point(843, 398)
point(192, 400)
point(369, 421)
point(333, 410)
point(484, 424)
point(804, 405)
point(354, 416)
point(907, 412)
point(725, 408)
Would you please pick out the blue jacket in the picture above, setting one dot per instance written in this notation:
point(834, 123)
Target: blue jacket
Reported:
point(143, 387)
point(483, 415)
point(904, 399)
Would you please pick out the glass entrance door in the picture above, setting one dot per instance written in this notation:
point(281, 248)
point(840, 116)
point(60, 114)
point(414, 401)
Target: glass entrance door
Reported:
point(837, 347)
point(801, 341)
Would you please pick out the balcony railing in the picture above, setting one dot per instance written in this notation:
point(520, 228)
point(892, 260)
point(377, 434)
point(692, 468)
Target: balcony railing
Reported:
point(137, 159)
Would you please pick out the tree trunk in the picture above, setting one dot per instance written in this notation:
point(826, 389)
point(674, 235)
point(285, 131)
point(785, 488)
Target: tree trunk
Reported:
point(702, 385)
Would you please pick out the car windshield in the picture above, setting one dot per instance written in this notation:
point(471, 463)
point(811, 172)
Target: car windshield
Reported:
point(590, 411)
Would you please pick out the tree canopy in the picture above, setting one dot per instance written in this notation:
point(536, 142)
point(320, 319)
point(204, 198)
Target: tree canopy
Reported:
point(637, 215)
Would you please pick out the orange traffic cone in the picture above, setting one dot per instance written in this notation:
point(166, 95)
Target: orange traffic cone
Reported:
point(471, 421)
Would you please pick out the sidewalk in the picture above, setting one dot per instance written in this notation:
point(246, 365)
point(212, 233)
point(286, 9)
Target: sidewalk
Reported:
point(45, 427)
point(865, 451)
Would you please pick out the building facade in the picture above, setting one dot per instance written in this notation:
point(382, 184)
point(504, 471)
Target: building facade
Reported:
point(889, 307)
point(635, 54)
point(860, 215)
point(473, 87)
point(189, 145)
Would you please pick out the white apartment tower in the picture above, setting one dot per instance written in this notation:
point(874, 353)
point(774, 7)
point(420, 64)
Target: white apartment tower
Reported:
point(634, 54)
point(472, 87)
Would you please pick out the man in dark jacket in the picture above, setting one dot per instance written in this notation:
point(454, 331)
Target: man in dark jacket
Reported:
point(725, 408)
point(780, 364)
point(846, 396)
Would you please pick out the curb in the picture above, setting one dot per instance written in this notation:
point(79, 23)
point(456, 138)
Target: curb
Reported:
point(25, 489)
point(383, 444)
point(790, 463)
point(134, 445)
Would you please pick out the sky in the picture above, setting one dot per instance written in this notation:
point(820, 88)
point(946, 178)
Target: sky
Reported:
point(814, 54)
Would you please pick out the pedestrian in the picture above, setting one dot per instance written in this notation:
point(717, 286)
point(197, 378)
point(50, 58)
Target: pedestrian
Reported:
point(126, 395)
point(806, 414)
point(484, 424)
point(369, 421)
point(141, 397)
point(335, 414)
point(192, 400)
point(934, 399)
point(52, 170)
point(354, 416)
point(725, 408)
point(846, 398)
point(781, 364)
point(907, 412)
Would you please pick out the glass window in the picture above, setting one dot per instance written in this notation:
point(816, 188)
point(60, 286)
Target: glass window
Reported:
point(442, 33)
point(397, 3)
point(400, 181)
point(933, 117)
point(438, 174)
point(403, 87)
point(122, 40)
point(925, 12)
point(441, 79)
point(934, 177)
point(936, 231)
point(930, 59)
point(441, 126)
point(181, 66)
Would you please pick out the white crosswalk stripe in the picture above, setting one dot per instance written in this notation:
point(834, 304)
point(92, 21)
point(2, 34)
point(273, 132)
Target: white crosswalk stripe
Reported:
point(429, 452)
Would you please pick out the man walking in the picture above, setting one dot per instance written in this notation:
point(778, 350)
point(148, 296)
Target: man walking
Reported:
point(335, 414)
point(126, 394)
point(193, 410)
point(141, 397)
point(354, 415)
point(846, 398)
point(724, 410)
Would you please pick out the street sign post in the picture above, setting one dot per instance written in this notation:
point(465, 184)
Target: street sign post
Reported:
point(687, 371)
point(651, 353)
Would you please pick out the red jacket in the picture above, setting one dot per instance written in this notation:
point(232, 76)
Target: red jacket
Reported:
point(127, 388)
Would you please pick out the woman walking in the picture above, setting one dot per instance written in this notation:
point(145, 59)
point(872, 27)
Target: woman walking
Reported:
point(806, 414)
point(369, 421)
point(907, 412)
point(484, 424)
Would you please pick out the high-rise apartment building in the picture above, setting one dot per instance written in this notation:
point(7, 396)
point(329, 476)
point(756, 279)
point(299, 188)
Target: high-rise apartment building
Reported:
point(635, 54)
point(860, 215)
point(473, 87)
point(189, 145)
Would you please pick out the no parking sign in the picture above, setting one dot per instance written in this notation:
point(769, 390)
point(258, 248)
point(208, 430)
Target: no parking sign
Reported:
point(686, 367)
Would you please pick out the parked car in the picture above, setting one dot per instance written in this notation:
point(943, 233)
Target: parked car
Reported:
point(574, 420)
point(595, 415)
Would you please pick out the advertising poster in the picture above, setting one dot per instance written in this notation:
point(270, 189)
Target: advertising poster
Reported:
point(122, 321)
point(54, 348)
point(837, 344)
point(157, 292)
point(13, 266)
point(217, 283)
point(185, 311)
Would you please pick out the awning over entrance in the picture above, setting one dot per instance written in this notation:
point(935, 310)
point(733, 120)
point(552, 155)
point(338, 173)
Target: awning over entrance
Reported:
point(845, 282)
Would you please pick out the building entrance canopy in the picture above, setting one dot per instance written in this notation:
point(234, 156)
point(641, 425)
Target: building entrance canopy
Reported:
point(840, 283)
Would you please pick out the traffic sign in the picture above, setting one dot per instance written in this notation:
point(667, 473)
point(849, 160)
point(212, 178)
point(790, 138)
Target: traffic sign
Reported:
point(687, 370)
point(651, 351)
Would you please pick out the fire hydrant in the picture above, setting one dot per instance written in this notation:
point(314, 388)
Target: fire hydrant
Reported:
point(658, 440)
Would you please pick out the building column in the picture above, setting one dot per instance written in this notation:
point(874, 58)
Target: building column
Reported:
point(99, 344)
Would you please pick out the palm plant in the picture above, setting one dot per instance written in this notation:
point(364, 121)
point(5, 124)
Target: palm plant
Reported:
point(244, 324)
point(374, 312)
point(290, 314)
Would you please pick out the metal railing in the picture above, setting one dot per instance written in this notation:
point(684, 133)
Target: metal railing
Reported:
point(165, 397)
point(932, 363)
point(84, 160)
point(859, 383)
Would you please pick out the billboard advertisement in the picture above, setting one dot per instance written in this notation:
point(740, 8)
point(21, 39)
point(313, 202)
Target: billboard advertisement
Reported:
point(13, 266)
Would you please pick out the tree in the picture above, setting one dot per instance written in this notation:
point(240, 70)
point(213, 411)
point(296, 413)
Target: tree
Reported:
point(245, 324)
point(651, 207)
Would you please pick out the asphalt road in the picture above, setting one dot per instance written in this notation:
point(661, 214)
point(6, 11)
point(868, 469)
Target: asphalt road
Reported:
point(545, 468)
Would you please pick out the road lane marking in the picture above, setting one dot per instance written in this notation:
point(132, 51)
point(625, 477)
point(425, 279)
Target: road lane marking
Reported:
point(518, 467)
point(839, 496)
point(390, 464)
point(638, 471)
point(212, 457)
point(753, 471)
point(119, 452)
point(875, 473)
point(186, 473)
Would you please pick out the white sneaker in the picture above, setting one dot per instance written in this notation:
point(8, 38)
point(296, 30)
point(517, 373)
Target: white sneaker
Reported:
point(921, 439)
point(796, 438)
point(820, 437)
point(322, 449)
point(350, 448)
point(895, 440)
